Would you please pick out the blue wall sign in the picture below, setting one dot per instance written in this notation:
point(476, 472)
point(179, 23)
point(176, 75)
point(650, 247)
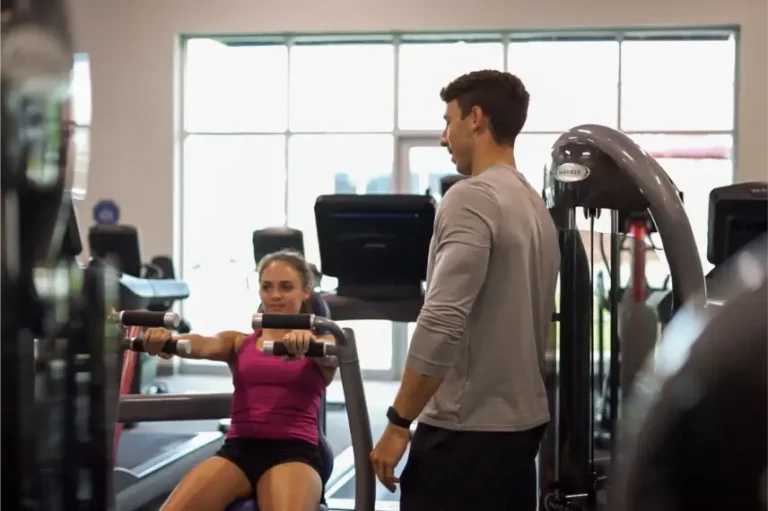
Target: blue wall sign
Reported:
point(106, 212)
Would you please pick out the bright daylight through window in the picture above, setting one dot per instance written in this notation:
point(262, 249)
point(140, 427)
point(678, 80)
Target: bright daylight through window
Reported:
point(269, 125)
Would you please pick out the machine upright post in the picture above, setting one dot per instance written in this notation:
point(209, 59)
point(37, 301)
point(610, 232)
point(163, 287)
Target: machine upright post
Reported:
point(614, 367)
point(570, 441)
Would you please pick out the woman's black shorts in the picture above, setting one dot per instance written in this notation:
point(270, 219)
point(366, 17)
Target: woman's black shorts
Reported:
point(254, 456)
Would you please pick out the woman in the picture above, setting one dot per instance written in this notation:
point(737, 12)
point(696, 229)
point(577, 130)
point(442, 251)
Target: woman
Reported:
point(271, 452)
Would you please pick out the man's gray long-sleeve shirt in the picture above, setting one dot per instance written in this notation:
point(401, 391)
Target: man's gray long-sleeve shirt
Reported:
point(491, 279)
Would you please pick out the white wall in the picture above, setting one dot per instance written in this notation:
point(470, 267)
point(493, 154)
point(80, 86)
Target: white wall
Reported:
point(133, 51)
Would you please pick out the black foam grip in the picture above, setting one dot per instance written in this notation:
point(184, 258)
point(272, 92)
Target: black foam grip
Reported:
point(316, 349)
point(143, 318)
point(287, 321)
point(169, 347)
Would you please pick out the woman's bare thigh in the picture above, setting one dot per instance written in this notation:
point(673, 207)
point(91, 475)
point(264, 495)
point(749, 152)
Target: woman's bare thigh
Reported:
point(211, 486)
point(293, 486)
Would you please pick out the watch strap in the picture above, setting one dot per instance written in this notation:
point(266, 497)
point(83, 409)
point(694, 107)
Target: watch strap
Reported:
point(396, 419)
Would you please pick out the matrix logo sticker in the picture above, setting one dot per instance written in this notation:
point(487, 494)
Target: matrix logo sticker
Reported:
point(571, 172)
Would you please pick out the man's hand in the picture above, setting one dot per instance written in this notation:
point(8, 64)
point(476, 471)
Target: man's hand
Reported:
point(387, 454)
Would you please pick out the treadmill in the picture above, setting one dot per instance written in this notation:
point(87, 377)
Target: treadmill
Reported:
point(180, 407)
point(377, 247)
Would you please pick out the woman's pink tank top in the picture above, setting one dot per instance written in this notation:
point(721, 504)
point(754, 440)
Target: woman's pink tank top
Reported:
point(274, 398)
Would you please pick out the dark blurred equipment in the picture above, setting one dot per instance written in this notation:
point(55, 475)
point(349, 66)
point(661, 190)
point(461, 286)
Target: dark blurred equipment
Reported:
point(56, 434)
point(708, 382)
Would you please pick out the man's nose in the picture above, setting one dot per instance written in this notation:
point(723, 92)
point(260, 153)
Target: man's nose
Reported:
point(443, 139)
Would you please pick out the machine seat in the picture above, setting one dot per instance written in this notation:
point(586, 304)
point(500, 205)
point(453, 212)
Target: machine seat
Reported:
point(320, 308)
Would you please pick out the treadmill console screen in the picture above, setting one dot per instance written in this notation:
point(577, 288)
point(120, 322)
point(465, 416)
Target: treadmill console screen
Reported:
point(738, 214)
point(118, 245)
point(375, 239)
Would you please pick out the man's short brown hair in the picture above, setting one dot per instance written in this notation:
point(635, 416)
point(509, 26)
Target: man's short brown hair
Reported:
point(501, 96)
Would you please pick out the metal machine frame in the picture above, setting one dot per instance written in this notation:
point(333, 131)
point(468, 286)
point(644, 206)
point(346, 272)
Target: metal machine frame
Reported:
point(595, 167)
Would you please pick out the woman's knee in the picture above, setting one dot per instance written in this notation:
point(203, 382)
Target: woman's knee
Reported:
point(211, 486)
point(293, 486)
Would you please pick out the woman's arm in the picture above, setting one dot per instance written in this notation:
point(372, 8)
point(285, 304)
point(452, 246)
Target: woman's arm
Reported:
point(220, 347)
point(327, 365)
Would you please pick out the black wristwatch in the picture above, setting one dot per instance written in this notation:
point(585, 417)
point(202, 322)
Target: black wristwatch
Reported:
point(396, 419)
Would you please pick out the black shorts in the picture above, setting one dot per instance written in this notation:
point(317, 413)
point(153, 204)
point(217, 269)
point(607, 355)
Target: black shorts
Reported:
point(254, 456)
point(452, 470)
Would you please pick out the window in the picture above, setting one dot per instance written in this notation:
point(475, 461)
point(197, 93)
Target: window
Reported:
point(232, 185)
point(236, 89)
point(677, 85)
point(427, 165)
point(82, 161)
point(81, 113)
point(81, 89)
point(696, 164)
point(342, 87)
point(570, 82)
point(533, 155)
point(426, 68)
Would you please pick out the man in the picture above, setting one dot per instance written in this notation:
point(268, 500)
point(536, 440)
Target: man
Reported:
point(473, 375)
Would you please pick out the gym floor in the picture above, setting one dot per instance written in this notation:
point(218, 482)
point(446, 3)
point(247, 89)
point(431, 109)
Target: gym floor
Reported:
point(379, 396)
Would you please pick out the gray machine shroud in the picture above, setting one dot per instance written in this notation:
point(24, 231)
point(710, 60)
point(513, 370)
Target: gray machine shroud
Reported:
point(169, 407)
point(596, 167)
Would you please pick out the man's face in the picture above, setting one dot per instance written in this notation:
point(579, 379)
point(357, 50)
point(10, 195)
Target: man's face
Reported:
point(457, 137)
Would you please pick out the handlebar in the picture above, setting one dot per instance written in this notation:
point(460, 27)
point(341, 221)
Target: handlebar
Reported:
point(284, 321)
point(172, 347)
point(316, 349)
point(299, 322)
point(144, 318)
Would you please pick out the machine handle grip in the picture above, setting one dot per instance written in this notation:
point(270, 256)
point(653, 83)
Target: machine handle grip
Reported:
point(283, 321)
point(148, 319)
point(316, 349)
point(172, 347)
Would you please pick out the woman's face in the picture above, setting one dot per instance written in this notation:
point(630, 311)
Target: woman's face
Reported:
point(281, 291)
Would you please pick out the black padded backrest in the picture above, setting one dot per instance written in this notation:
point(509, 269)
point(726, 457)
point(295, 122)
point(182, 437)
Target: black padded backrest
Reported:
point(320, 306)
point(274, 239)
point(165, 264)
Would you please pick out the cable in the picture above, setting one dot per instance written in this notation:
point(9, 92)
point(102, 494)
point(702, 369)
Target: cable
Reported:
point(592, 350)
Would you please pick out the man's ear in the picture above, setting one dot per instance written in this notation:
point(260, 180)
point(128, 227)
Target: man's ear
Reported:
point(477, 116)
